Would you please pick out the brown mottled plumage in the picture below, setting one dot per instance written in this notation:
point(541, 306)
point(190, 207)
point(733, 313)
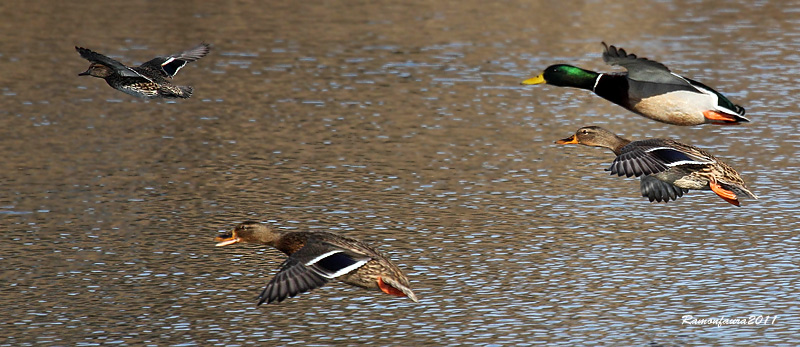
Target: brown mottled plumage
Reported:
point(316, 257)
point(668, 168)
point(149, 80)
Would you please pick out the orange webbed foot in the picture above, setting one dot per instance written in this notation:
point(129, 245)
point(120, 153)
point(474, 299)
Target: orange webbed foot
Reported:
point(723, 193)
point(388, 289)
point(719, 116)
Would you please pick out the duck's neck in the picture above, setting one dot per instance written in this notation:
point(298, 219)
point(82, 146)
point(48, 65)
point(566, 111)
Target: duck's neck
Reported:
point(265, 236)
point(290, 242)
point(616, 144)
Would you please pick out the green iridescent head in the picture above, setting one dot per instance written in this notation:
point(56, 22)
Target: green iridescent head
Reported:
point(563, 75)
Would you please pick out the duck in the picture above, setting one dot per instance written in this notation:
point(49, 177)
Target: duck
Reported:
point(315, 258)
point(149, 80)
point(668, 168)
point(649, 89)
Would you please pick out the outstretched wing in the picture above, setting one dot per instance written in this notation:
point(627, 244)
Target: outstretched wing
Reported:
point(98, 58)
point(648, 157)
point(643, 69)
point(310, 267)
point(169, 66)
point(293, 278)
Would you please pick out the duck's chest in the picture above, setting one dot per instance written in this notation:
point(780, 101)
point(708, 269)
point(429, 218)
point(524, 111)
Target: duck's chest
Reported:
point(679, 107)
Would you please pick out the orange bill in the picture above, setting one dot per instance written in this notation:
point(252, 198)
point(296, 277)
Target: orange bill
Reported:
point(723, 193)
point(388, 289)
point(228, 238)
point(570, 140)
point(719, 116)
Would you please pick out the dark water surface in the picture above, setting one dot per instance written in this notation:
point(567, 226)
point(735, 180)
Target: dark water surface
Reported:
point(402, 124)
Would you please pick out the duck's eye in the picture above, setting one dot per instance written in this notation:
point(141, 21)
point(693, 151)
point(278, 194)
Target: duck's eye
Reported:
point(584, 131)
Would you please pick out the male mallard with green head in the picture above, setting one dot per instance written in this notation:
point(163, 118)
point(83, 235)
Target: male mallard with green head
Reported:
point(649, 89)
point(668, 168)
point(315, 257)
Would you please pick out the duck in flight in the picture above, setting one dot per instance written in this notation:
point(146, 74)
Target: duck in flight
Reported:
point(649, 89)
point(149, 80)
point(316, 257)
point(667, 168)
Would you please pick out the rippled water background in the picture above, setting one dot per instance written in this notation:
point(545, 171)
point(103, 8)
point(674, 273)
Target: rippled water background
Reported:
point(402, 124)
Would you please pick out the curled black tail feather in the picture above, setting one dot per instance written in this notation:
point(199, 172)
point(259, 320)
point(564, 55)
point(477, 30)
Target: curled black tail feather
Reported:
point(739, 109)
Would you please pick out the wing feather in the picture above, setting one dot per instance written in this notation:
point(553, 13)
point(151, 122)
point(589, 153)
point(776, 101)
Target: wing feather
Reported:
point(98, 58)
point(292, 279)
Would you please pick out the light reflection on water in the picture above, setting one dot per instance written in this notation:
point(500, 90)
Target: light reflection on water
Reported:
point(421, 144)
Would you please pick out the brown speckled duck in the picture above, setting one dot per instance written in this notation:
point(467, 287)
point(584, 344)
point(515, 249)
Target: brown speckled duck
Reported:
point(315, 257)
point(648, 89)
point(667, 168)
point(149, 80)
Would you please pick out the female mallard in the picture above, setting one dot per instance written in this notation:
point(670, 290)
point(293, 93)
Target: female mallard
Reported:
point(315, 257)
point(668, 168)
point(648, 89)
point(148, 80)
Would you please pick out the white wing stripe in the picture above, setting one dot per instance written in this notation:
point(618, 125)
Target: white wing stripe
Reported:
point(681, 77)
point(681, 162)
point(323, 256)
point(167, 61)
point(657, 149)
point(687, 162)
point(344, 270)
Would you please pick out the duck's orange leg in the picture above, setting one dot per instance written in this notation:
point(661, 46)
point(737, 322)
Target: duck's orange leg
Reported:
point(388, 289)
point(719, 116)
point(723, 193)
